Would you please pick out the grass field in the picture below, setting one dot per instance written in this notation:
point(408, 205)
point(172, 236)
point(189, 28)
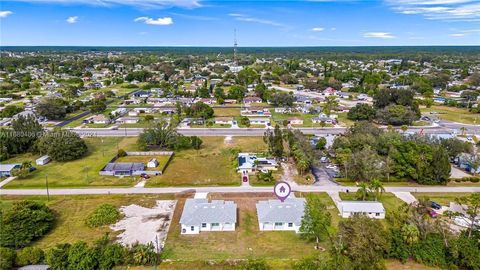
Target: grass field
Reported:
point(72, 211)
point(212, 165)
point(232, 112)
point(246, 242)
point(453, 114)
point(78, 173)
point(441, 198)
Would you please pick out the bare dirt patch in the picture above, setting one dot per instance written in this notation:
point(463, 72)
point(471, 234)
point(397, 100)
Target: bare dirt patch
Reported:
point(145, 225)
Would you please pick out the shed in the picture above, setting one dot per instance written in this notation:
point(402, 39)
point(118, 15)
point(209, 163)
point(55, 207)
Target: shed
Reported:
point(43, 160)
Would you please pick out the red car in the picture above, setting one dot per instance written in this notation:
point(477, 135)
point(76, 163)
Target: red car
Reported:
point(432, 213)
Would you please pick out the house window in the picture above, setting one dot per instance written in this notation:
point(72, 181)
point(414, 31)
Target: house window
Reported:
point(278, 224)
point(192, 228)
point(377, 214)
point(204, 225)
point(215, 224)
point(290, 225)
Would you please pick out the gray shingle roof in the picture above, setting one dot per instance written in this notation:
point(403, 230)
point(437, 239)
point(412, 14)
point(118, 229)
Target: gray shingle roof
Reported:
point(125, 166)
point(8, 167)
point(198, 211)
point(291, 210)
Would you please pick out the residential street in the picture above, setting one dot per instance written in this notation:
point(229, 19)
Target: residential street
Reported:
point(299, 188)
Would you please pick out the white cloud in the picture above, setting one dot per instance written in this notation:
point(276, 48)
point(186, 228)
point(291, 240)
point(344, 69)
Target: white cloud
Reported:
point(135, 3)
point(246, 18)
point(450, 10)
point(318, 29)
point(5, 13)
point(72, 19)
point(458, 35)
point(383, 35)
point(158, 21)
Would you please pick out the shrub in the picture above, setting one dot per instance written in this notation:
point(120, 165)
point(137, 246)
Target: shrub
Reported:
point(103, 215)
point(7, 257)
point(24, 222)
point(29, 255)
point(57, 257)
point(121, 153)
point(62, 145)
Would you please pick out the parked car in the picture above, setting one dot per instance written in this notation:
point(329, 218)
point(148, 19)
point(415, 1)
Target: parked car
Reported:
point(144, 176)
point(432, 213)
point(435, 205)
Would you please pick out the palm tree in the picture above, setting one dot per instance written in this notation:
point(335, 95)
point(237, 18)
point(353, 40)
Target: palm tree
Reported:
point(410, 234)
point(463, 130)
point(363, 191)
point(331, 103)
point(377, 187)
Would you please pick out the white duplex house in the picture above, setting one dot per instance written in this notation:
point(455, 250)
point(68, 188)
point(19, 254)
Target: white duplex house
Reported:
point(199, 215)
point(275, 215)
point(368, 208)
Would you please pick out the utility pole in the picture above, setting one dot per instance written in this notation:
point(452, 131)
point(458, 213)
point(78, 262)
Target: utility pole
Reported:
point(235, 47)
point(46, 184)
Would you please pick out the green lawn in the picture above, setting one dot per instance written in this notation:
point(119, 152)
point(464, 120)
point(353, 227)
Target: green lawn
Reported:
point(245, 242)
point(231, 112)
point(453, 114)
point(212, 165)
point(441, 198)
point(72, 211)
point(78, 173)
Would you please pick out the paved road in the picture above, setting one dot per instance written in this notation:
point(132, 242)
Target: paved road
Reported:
point(121, 132)
point(300, 188)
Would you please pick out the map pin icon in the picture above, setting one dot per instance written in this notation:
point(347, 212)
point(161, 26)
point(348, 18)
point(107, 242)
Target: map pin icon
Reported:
point(282, 190)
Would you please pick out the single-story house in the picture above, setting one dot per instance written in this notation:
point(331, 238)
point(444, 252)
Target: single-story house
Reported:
point(295, 121)
point(142, 94)
point(224, 120)
point(124, 168)
point(282, 110)
point(275, 215)
point(43, 160)
point(152, 163)
point(127, 120)
point(250, 100)
point(100, 119)
point(259, 120)
point(200, 215)
point(324, 119)
point(255, 111)
point(368, 208)
point(249, 163)
point(6, 169)
point(133, 113)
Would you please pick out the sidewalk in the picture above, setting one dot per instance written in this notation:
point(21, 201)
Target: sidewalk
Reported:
point(6, 181)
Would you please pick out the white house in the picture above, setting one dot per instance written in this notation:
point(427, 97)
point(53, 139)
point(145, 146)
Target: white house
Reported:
point(275, 215)
point(248, 163)
point(127, 120)
point(224, 120)
point(152, 163)
point(133, 113)
point(295, 121)
point(43, 160)
point(100, 119)
point(368, 208)
point(200, 215)
point(259, 120)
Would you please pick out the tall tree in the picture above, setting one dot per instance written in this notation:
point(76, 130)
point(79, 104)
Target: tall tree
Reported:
point(316, 221)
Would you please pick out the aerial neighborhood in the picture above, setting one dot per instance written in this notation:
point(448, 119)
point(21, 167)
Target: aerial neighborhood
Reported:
point(171, 157)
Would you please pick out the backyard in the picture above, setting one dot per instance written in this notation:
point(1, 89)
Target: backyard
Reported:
point(78, 173)
point(214, 164)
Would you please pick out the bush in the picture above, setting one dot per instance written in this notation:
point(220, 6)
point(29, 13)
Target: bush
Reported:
point(7, 257)
point(24, 222)
point(430, 251)
point(104, 214)
point(121, 153)
point(57, 257)
point(29, 255)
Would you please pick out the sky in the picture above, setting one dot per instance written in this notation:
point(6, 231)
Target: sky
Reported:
point(257, 23)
